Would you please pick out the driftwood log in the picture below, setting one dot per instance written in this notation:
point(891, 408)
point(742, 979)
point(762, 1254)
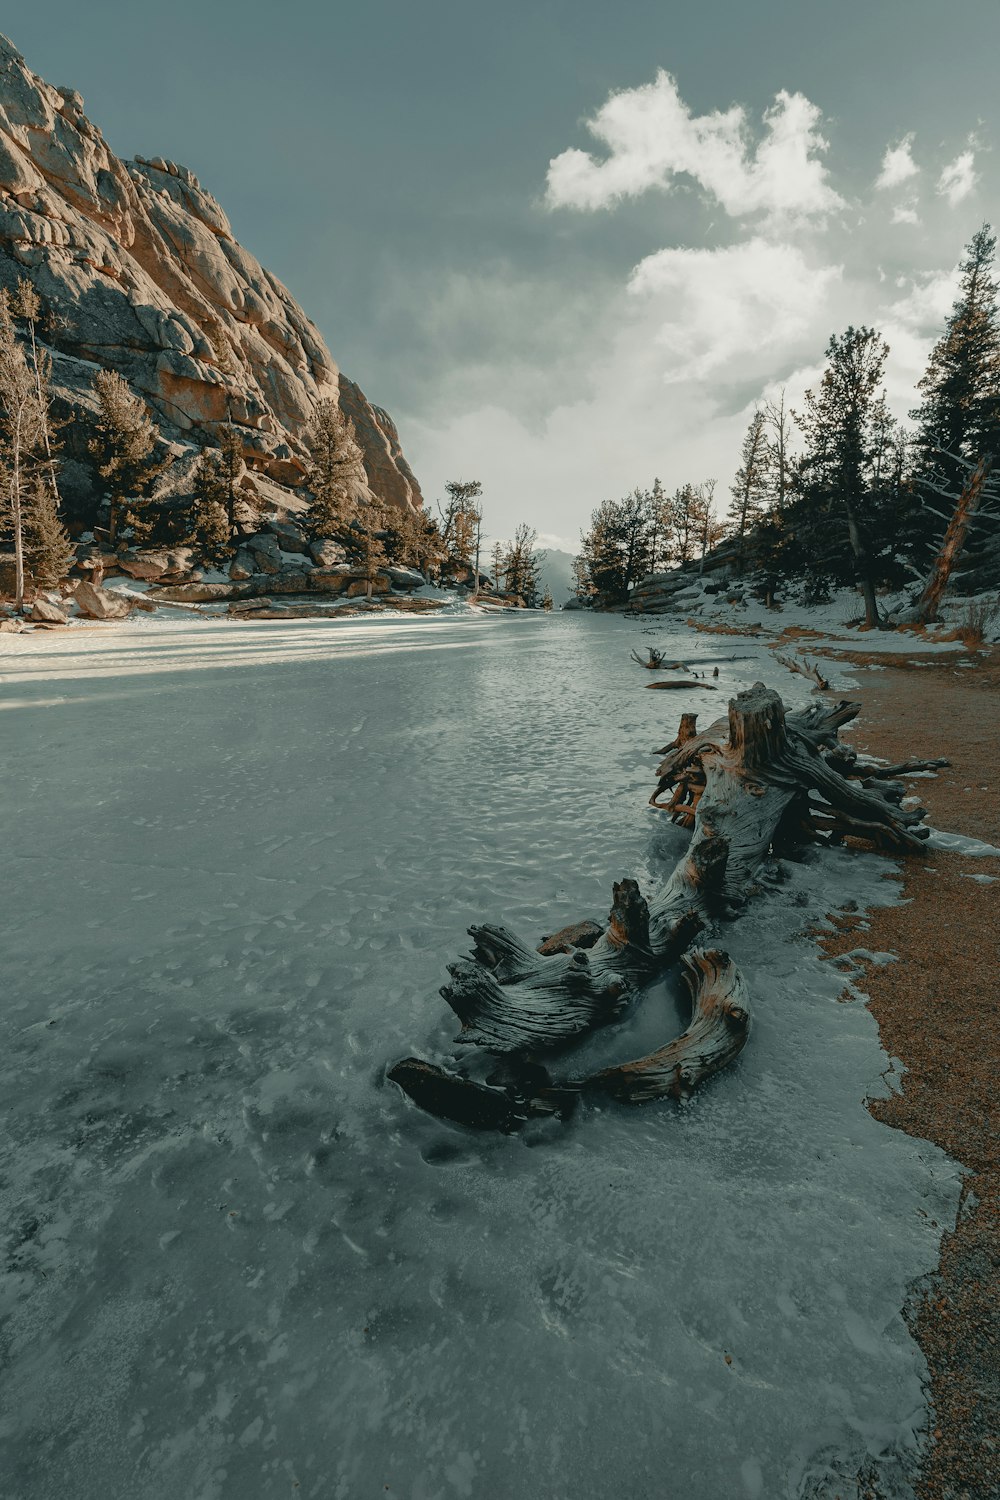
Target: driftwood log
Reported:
point(755, 781)
point(805, 669)
point(654, 660)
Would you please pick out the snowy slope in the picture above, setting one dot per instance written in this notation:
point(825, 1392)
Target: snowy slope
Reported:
point(240, 1265)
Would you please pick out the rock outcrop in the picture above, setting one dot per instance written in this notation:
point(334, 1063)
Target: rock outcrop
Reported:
point(96, 603)
point(138, 271)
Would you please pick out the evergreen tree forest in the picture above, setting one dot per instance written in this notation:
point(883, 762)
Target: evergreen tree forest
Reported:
point(839, 493)
point(836, 492)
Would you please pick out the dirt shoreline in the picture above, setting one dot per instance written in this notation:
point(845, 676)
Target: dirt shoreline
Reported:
point(938, 1010)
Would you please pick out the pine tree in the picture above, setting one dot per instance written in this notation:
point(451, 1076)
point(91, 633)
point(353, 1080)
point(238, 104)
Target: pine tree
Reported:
point(366, 539)
point(960, 412)
point(47, 548)
point(636, 532)
point(427, 548)
point(209, 518)
point(124, 444)
point(750, 487)
point(523, 564)
point(210, 532)
point(845, 425)
point(335, 475)
point(601, 551)
point(547, 600)
point(687, 521)
point(583, 588)
point(661, 538)
point(461, 524)
point(231, 467)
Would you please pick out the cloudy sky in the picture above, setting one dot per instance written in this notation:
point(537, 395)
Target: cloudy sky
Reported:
point(569, 245)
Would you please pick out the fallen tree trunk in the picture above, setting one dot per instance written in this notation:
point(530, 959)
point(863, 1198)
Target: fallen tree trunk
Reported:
point(966, 506)
point(753, 781)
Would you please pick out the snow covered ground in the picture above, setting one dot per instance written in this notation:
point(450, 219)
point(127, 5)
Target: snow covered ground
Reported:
point(239, 1264)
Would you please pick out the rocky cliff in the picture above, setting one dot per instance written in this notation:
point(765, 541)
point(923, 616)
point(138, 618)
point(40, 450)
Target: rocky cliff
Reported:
point(138, 271)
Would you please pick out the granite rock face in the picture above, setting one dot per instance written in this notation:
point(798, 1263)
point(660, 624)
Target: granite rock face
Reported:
point(138, 271)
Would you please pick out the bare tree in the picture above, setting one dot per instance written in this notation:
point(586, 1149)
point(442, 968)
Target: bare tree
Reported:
point(27, 306)
point(20, 434)
point(499, 562)
point(779, 422)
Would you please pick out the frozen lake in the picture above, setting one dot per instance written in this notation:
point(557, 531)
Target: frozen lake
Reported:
point(238, 1264)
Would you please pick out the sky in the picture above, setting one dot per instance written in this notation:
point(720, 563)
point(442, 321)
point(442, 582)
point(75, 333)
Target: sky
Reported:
point(569, 246)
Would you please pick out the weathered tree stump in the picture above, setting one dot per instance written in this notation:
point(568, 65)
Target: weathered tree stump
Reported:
point(754, 780)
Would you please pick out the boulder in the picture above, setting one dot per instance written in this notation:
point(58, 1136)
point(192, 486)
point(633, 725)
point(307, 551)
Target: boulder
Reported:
point(330, 580)
point(327, 553)
point(201, 593)
point(179, 560)
point(93, 558)
point(144, 565)
point(289, 536)
point(406, 579)
point(249, 606)
point(100, 604)
point(44, 613)
point(287, 581)
point(243, 565)
point(265, 551)
point(359, 588)
point(12, 627)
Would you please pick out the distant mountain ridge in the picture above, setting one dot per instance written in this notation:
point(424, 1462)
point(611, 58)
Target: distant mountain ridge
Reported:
point(138, 271)
point(556, 574)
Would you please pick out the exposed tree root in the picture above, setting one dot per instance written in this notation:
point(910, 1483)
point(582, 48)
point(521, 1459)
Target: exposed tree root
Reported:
point(716, 1034)
point(754, 781)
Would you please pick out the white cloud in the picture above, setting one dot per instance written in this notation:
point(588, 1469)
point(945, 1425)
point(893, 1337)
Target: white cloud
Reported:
point(727, 311)
point(898, 165)
point(651, 136)
point(563, 394)
point(677, 358)
point(959, 177)
point(910, 323)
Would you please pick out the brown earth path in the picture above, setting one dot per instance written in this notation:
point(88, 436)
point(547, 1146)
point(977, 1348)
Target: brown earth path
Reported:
point(939, 1012)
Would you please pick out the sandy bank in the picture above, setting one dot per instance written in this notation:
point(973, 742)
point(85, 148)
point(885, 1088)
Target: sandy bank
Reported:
point(939, 1012)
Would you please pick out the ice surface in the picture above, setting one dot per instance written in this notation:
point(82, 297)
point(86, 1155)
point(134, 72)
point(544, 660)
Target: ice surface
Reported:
point(960, 843)
point(239, 1264)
